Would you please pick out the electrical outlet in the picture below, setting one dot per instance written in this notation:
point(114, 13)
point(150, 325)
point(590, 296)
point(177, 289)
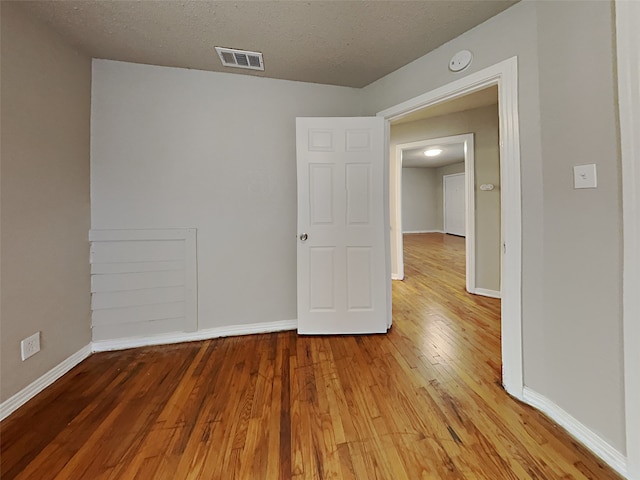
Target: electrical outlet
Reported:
point(584, 176)
point(30, 346)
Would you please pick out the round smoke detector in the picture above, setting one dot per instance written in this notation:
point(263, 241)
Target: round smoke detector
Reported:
point(460, 61)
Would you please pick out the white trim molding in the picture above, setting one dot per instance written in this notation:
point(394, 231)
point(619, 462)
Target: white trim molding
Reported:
point(23, 396)
point(413, 232)
point(206, 334)
point(505, 76)
point(27, 393)
point(578, 430)
point(485, 292)
point(628, 56)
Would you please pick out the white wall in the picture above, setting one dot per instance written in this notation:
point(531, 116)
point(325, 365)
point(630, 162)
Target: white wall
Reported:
point(419, 202)
point(571, 272)
point(185, 148)
point(46, 88)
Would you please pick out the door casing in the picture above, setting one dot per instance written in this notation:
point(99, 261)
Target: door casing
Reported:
point(628, 63)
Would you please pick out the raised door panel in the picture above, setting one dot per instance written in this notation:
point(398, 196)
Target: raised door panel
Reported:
point(341, 259)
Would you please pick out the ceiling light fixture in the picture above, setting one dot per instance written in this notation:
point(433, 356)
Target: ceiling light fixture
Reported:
point(433, 152)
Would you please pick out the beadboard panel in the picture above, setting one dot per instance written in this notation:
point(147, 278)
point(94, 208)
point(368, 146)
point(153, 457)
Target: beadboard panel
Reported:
point(139, 313)
point(143, 282)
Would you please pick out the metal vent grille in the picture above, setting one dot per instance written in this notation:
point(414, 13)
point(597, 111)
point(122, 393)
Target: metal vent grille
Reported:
point(230, 57)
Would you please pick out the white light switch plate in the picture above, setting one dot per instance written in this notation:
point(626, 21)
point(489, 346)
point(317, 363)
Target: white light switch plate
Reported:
point(584, 176)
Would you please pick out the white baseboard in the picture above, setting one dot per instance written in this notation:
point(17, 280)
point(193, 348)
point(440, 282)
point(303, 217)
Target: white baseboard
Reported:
point(23, 396)
point(582, 433)
point(395, 276)
point(487, 293)
point(422, 231)
point(178, 337)
point(11, 404)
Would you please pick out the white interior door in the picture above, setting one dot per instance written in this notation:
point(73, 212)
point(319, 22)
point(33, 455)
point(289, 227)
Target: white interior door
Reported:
point(341, 247)
point(454, 205)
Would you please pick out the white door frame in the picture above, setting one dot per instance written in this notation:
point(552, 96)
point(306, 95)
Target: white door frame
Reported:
point(469, 170)
point(628, 51)
point(505, 76)
point(444, 202)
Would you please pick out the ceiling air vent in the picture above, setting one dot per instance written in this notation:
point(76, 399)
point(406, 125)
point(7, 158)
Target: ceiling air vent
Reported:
point(230, 57)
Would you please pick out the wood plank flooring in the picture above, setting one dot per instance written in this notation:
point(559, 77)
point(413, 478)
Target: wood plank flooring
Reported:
point(422, 402)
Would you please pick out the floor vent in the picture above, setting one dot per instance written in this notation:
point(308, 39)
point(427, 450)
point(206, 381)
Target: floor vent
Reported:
point(230, 57)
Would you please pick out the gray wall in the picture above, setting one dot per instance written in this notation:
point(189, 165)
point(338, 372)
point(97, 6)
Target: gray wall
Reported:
point(571, 273)
point(582, 233)
point(483, 123)
point(419, 202)
point(422, 201)
point(46, 89)
point(215, 151)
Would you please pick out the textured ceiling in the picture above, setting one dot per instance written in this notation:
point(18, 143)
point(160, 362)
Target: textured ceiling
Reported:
point(350, 43)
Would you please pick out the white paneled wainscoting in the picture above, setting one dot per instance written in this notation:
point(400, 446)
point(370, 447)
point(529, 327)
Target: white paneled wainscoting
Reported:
point(143, 282)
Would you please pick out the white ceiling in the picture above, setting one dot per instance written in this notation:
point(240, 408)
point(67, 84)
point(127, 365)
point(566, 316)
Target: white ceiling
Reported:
point(350, 43)
point(415, 157)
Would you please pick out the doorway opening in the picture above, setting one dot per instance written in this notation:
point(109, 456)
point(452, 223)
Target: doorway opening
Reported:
point(418, 188)
point(504, 76)
point(456, 156)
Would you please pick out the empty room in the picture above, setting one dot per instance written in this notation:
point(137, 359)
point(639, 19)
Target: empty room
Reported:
point(202, 266)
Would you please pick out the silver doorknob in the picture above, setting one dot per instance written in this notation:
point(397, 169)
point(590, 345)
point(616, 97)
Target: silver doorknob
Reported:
point(303, 237)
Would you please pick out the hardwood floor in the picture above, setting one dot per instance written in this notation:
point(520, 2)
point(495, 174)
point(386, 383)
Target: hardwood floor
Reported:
point(423, 401)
